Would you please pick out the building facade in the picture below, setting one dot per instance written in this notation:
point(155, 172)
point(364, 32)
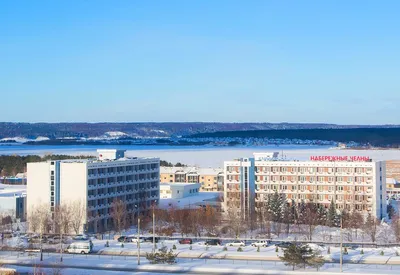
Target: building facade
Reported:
point(95, 184)
point(211, 180)
point(178, 190)
point(353, 183)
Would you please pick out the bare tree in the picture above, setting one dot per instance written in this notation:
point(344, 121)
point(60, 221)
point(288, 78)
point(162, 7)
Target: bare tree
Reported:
point(33, 221)
point(396, 227)
point(356, 221)
point(77, 209)
point(119, 215)
point(371, 227)
point(310, 218)
point(235, 220)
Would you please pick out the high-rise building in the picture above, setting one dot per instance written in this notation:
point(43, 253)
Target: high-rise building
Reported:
point(352, 183)
point(211, 179)
point(95, 184)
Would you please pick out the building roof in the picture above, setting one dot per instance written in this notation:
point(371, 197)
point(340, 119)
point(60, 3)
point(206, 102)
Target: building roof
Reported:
point(7, 190)
point(178, 184)
point(190, 169)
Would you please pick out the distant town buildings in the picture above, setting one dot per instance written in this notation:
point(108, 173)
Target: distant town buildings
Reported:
point(178, 190)
point(352, 183)
point(211, 179)
point(95, 184)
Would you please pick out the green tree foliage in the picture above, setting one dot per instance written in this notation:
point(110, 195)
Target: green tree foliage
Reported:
point(162, 256)
point(12, 165)
point(332, 217)
point(298, 255)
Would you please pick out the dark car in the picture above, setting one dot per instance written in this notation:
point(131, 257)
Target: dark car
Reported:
point(213, 242)
point(150, 239)
point(125, 239)
point(283, 244)
point(186, 241)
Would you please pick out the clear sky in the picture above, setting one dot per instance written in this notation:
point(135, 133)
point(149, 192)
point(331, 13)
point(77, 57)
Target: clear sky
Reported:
point(198, 60)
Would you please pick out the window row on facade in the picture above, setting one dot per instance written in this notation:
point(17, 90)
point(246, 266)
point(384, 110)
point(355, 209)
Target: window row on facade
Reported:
point(122, 169)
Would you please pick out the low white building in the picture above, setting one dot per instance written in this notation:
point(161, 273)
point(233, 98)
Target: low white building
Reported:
point(178, 190)
point(13, 201)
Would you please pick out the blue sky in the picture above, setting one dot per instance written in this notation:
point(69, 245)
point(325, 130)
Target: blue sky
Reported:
point(229, 61)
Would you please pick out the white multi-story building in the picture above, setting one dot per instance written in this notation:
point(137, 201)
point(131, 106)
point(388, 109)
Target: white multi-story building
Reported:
point(96, 184)
point(353, 183)
point(178, 190)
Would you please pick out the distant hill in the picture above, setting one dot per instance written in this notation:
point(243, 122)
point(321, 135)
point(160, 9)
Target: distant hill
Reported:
point(383, 137)
point(110, 130)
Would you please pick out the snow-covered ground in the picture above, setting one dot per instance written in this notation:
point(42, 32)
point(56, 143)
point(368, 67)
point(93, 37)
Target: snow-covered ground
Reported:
point(201, 155)
point(82, 264)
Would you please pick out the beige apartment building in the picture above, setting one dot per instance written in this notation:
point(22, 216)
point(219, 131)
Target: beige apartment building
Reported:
point(211, 179)
point(353, 183)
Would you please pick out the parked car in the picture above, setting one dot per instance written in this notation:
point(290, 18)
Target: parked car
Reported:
point(80, 247)
point(122, 239)
point(150, 239)
point(81, 237)
point(135, 239)
point(260, 243)
point(283, 244)
point(213, 242)
point(186, 241)
point(236, 243)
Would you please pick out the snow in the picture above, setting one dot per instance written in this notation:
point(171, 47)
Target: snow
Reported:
point(23, 140)
point(105, 264)
point(200, 198)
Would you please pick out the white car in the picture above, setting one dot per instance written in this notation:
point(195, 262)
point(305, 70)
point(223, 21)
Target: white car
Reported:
point(260, 244)
point(236, 243)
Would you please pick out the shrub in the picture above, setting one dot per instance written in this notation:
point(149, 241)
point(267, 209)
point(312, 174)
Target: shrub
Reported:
point(161, 256)
point(225, 248)
point(258, 249)
point(362, 252)
point(122, 245)
point(276, 249)
point(174, 247)
point(107, 244)
point(382, 253)
point(397, 253)
point(190, 247)
point(329, 250)
point(207, 247)
point(345, 251)
point(240, 249)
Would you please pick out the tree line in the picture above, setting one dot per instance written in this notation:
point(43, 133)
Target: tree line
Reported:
point(14, 164)
point(276, 216)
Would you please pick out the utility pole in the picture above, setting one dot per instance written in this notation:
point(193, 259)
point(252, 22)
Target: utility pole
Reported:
point(154, 230)
point(341, 242)
point(61, 246)
point(138, 241)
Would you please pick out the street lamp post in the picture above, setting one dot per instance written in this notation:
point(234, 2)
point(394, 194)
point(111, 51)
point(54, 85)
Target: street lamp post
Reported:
point(154, 229)
point(41, 245)
point(341, 242)
point(138, 242)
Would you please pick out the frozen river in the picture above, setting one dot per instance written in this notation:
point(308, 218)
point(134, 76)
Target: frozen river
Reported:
point(204, 156)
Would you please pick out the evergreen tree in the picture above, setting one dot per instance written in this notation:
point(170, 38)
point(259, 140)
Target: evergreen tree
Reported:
point(332, 218)
point(322, 217)
point(301, 256)
point(301, 212)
